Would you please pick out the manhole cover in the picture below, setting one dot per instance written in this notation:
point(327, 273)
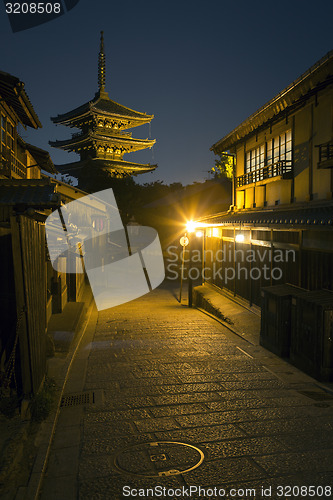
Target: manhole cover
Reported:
point(158, 459)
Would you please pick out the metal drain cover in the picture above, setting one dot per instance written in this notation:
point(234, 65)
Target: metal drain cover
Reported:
point(158, 459)
point(82, 398)
point(77, 399)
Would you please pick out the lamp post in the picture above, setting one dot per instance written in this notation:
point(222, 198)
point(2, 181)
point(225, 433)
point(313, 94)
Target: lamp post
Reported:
point(190, 226)
point(184, 241)
point(189, 278)
point(203, 259)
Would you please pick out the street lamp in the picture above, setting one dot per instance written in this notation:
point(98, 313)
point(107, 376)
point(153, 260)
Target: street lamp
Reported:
point(184, 241)
point(239, 238)
point(190, 226)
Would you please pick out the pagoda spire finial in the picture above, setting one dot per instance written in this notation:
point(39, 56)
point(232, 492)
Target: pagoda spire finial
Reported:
point(101, 65)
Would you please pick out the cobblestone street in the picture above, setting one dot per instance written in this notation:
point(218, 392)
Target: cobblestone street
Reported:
point(160, 373)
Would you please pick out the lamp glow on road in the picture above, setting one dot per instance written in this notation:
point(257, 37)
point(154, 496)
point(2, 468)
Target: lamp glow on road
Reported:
point(190, 226)
point(239, 238)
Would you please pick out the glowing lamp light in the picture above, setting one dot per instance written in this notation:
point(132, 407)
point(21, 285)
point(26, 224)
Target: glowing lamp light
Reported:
point(199, 234)
point(190, 226)
point(239, 238)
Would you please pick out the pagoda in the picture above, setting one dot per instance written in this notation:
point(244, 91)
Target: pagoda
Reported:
point(104, 137)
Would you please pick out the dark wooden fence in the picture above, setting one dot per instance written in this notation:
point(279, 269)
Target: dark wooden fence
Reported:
point(28, 251)
point(301, 265)
point(7, 305)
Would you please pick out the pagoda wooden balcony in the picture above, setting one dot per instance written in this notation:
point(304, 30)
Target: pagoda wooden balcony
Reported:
point(325, 155)
point(114, 131)
point(282, 168)
point(105, 131)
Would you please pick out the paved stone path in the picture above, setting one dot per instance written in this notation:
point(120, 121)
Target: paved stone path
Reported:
point(162, 372)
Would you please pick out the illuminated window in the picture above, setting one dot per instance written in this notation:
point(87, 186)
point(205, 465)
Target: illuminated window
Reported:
point(10, 135)
point(278, 149)
point(3, 131)
point(7, 139)
point(255, 159)
point(7, 133)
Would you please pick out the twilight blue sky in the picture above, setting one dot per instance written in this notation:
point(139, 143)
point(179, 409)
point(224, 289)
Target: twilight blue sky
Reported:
point(199, 67)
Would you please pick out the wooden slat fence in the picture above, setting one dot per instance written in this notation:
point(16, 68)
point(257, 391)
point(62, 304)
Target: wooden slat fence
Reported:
point(28, 245)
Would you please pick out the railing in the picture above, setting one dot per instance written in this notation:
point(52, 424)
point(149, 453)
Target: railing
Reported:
point(106, 131)
point(11, 164)
point(113, 131)
point(325, 151)
point(4, 167)
point(19, 167)
point(281, 167)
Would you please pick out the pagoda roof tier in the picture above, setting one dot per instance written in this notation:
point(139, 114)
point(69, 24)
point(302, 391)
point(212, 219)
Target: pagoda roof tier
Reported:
point(102, 106)
point(92, 138)
point(119, 167)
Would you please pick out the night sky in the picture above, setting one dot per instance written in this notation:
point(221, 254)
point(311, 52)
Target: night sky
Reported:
point(200, 67)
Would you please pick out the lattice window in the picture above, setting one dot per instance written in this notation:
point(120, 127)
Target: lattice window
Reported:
point(273, 151)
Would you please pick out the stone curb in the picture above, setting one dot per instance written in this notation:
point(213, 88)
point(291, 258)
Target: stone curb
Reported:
point(31, 492)
point(14, 452)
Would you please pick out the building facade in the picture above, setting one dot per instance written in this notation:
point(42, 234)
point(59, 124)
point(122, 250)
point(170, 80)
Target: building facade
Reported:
point(30, 289)
point(18, 159)
point(279, 226)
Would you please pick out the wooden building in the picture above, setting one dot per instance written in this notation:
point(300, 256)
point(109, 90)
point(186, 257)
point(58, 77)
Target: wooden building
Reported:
point(19, 160)
point(282, 211)
point(30, 289)
point(103, 138)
